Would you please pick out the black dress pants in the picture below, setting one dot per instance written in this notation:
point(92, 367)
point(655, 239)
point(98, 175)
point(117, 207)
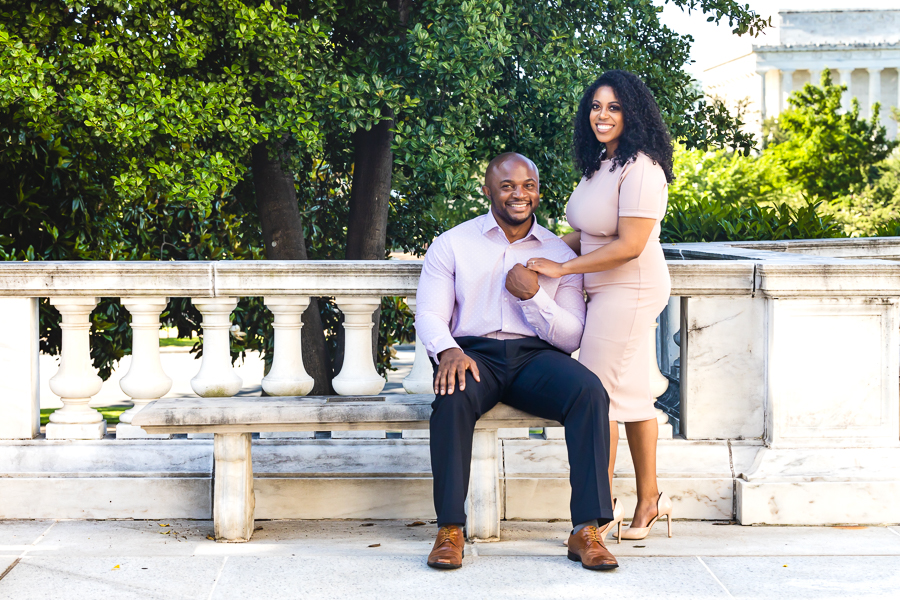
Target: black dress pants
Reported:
point(531, 375)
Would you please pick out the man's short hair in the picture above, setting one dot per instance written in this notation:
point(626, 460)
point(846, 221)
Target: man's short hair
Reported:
point(502, 158)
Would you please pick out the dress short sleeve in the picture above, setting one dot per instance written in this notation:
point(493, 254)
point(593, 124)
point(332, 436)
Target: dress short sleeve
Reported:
point(642, 189)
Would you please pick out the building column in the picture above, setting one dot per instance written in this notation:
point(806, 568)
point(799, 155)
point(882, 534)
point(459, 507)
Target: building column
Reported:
point(787, 86)
point(897, 99)
point(763, 113)
point(874, 89)
point(815, 77)
point(844, 77)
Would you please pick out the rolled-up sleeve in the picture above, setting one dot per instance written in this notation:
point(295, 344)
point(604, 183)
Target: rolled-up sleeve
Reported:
point(558, 320)
point(436, 298)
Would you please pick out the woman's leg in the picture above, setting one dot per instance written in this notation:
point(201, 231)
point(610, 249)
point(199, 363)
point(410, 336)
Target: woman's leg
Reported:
point(642, 436)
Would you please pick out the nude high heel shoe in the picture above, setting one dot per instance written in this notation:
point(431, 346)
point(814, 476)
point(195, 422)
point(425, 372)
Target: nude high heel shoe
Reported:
point(618, 517)
point(663, 507)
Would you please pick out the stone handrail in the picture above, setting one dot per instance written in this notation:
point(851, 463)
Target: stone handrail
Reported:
point(301, 278)
point(789, 357)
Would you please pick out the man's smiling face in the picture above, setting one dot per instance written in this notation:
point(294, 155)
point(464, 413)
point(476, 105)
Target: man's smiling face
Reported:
point(513, 187)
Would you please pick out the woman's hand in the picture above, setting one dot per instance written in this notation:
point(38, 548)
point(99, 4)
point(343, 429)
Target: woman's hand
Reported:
point(546, 267)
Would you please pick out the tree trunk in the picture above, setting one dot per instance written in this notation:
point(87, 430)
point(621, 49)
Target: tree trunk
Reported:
point(370, 192)
point(282, 231)
point(370, 196)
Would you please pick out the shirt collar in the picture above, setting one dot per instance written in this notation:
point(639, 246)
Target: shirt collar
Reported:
point(537, 232)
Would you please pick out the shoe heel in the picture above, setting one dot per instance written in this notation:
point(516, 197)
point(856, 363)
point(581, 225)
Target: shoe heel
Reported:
point(574, 557)
point(669, 523)
point(619, 533)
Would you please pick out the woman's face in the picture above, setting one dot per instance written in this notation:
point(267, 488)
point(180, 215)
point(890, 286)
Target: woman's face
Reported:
point(606, 118)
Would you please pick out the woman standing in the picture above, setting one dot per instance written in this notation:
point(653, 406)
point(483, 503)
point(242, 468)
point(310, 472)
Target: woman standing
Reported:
point(624, 152)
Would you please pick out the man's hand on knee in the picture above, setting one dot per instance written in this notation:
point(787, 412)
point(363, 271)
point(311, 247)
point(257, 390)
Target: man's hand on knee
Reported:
point(454, 364)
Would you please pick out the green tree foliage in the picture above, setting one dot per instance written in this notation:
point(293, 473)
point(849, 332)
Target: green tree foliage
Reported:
point(826, 151)
point(725, 196)
point(155, 128)
point(875, 209)
point(821, 173)
point(705, 220)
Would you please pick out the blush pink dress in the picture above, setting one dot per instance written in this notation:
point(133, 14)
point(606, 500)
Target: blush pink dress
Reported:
point(625, 301)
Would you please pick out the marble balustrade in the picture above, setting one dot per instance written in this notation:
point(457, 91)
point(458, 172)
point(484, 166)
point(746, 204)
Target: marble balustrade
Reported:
point(787, 365)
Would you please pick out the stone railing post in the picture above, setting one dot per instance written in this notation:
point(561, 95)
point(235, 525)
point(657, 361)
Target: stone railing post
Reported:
point(287, 377)
point(358, 376)
point(145, 381)
point(723, 348)
point(20, 387)
point(216, 377)
point(77, 380)
point(483, 501)
point(235, 501)
point(832, 406)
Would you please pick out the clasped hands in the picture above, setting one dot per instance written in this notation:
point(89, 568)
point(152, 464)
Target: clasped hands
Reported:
point(521, 282)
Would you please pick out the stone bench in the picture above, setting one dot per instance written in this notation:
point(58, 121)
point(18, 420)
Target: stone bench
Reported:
point(233, 420)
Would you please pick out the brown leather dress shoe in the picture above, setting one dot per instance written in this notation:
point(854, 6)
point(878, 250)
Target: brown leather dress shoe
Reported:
point(587, 547)
point(449, 548)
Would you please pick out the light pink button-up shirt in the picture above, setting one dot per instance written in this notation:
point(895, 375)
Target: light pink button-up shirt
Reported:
point(462, 290)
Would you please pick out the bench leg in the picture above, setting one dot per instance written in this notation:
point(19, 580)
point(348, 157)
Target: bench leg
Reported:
point(233, 500)
point(483, 510)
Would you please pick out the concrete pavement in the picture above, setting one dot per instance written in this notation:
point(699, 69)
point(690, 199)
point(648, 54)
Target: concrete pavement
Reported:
point(386, 559)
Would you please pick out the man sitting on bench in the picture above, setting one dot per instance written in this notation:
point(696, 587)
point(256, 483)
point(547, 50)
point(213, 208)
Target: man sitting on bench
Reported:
point(497, 332)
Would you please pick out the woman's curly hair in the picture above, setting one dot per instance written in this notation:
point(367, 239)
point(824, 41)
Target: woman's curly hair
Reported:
point(644, 130)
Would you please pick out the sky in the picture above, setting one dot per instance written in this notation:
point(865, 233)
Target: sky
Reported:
point(713, 42)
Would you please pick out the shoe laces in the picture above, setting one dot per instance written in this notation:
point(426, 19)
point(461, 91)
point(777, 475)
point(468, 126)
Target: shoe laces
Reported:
point(593, 534)
point(445, 535)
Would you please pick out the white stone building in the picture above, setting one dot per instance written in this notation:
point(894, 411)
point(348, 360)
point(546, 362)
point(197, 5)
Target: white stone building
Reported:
point(861, 48)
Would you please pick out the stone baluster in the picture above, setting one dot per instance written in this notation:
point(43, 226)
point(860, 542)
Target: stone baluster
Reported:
point(358, 376)
point(216, 377)
point(787, 85)
point(659, 383)
point(76, 381)
point(145, 381)
point(421, 377)
point(287, 377)
point(874, 90)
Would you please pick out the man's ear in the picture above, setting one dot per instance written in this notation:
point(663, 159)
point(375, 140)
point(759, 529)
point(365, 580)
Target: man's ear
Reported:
point(486, 191)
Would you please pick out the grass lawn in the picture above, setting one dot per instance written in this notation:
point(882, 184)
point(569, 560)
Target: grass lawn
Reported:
point(110, 413)
point(178, 341)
